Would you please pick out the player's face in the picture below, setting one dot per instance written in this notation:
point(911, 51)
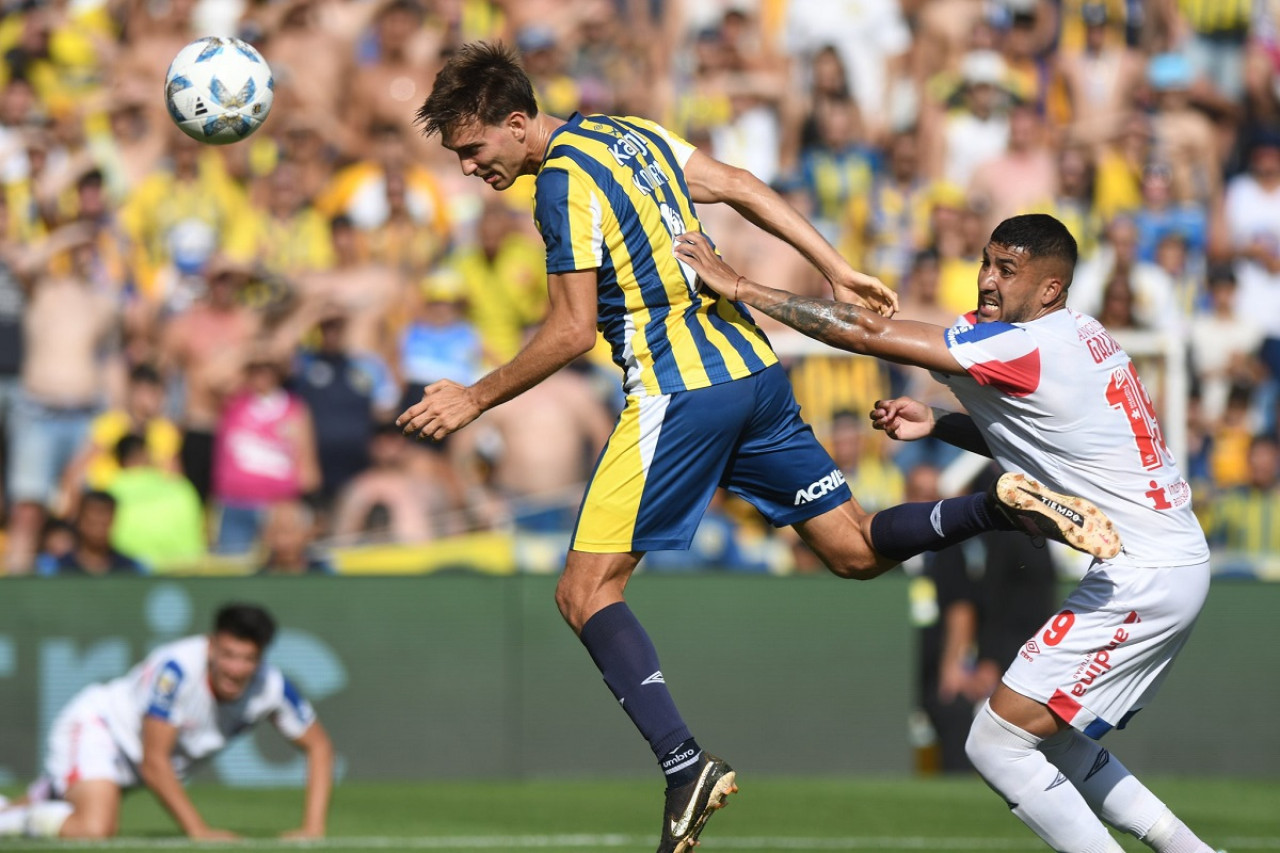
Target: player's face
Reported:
point(1010, 285)
point(232, 665)
point(495, 153)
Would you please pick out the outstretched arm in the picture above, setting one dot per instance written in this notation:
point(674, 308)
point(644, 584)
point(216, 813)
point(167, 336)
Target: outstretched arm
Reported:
point(710, 180)
point(156, 770)
point(568, 332)
point(905, 419)
point(842, 325)
point(319, 751)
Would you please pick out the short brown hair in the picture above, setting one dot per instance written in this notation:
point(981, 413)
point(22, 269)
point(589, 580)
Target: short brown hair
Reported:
point(482, 82)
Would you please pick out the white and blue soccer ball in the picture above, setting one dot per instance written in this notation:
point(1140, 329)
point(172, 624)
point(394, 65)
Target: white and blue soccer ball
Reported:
point(219, 90)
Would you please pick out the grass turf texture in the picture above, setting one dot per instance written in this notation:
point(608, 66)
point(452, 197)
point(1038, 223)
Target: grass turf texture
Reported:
point(870, 815)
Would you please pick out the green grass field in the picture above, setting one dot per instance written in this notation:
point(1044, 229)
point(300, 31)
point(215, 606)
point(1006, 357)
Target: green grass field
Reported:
point(872, 815)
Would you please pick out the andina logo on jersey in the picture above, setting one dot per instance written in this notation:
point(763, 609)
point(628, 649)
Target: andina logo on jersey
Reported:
point(820, 488)
point(1099, 665)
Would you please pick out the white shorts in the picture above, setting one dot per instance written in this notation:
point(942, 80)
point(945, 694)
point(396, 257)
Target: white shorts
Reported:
point(81, 747)
point(1103, 656)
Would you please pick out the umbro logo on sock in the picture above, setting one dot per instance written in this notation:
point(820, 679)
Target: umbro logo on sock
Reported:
point(656, 678)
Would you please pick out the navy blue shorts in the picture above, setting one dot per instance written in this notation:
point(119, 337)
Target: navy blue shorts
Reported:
point(668, 454)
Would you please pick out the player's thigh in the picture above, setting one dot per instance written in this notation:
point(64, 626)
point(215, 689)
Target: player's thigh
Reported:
point(659, 469)
point(778, 465)
point(96, 809)
point(80, 748)
point(1106, 652)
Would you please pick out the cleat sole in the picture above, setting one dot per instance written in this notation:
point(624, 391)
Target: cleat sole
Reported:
point(1095, 534)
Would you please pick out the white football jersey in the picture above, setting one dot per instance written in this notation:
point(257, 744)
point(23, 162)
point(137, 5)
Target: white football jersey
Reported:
point(1058, 399)
point(172, 684)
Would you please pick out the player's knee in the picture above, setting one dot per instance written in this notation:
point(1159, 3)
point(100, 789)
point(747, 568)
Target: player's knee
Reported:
point(993, 743)
point(855, 570)
point(569, 603)
point(88, 825)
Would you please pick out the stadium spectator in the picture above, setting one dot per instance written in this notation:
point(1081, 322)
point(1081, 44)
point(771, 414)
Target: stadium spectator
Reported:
point(1022, 178)
point(1184, 137)
point(401, 207)
point(202, 347)
point(538, 449)
point(506, 280)
point(1246, 518)
point(185, 702)
point(395, 499)
point(159, 519)
point(864, 460)
point(93, 553)
point(1224, 346)
point(1098, 79)
point(1252, 212)
point(889, 224)
point(368, 291)
point(179, 217)
point(96, 465)
point(439, 341)
point(66, 329)
point(13, 297)
point(264, 452)
point(347, 392)
point(836, 168)
point(976, 130)
point(288, 541)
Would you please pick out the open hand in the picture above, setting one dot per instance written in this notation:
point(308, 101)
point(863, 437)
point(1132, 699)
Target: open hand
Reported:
point(695, 250)
point(857, 288)
point(902, 418)
point(446, 407)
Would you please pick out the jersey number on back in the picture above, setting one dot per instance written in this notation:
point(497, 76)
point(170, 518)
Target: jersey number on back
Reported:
point(1126, 393)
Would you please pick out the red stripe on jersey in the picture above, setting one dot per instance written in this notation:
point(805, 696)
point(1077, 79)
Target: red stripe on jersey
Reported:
point(1017, 377)
point(1064, 706)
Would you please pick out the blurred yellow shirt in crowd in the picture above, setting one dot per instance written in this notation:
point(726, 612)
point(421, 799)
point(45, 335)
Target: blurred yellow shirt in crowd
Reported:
point(163, 438)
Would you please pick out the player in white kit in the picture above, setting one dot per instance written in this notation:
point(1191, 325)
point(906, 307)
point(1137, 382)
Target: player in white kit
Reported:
point(1050, 394)
point(183, 703)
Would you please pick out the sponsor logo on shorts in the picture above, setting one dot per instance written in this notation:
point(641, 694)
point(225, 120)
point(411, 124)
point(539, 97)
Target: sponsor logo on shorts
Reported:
point(1098, 665)
point(1031, 648)
point(820, 488)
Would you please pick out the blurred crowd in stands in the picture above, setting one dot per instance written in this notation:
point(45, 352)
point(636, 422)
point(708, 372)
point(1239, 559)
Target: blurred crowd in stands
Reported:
point(202, 348)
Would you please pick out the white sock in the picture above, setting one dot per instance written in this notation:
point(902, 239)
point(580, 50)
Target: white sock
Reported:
point(13, 821)
point(1170, 835)
point(1038, 794)
point(1117, 795)
point(46, 818)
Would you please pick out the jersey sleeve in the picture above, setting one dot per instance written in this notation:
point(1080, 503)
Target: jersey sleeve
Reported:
point(293, 714)
point(568, 213)
point(1001, 355)
point(163, 691)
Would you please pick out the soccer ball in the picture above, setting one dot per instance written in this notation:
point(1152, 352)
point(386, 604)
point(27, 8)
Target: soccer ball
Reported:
point(218, 90)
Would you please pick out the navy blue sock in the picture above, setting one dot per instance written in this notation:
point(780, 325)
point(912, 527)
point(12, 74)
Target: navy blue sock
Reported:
point(903, 531)
point(629, 663)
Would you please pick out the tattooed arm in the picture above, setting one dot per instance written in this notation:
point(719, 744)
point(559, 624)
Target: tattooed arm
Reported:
point(841, 325)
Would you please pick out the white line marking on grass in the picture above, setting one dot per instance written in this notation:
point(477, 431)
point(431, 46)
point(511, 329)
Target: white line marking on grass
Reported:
point(535, 842)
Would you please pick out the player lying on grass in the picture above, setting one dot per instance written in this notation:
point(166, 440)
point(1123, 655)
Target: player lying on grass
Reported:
point(1051, 394)
point(183, 703)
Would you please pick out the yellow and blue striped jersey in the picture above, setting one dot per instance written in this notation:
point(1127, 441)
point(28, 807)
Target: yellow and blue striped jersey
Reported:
point(611, 196)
